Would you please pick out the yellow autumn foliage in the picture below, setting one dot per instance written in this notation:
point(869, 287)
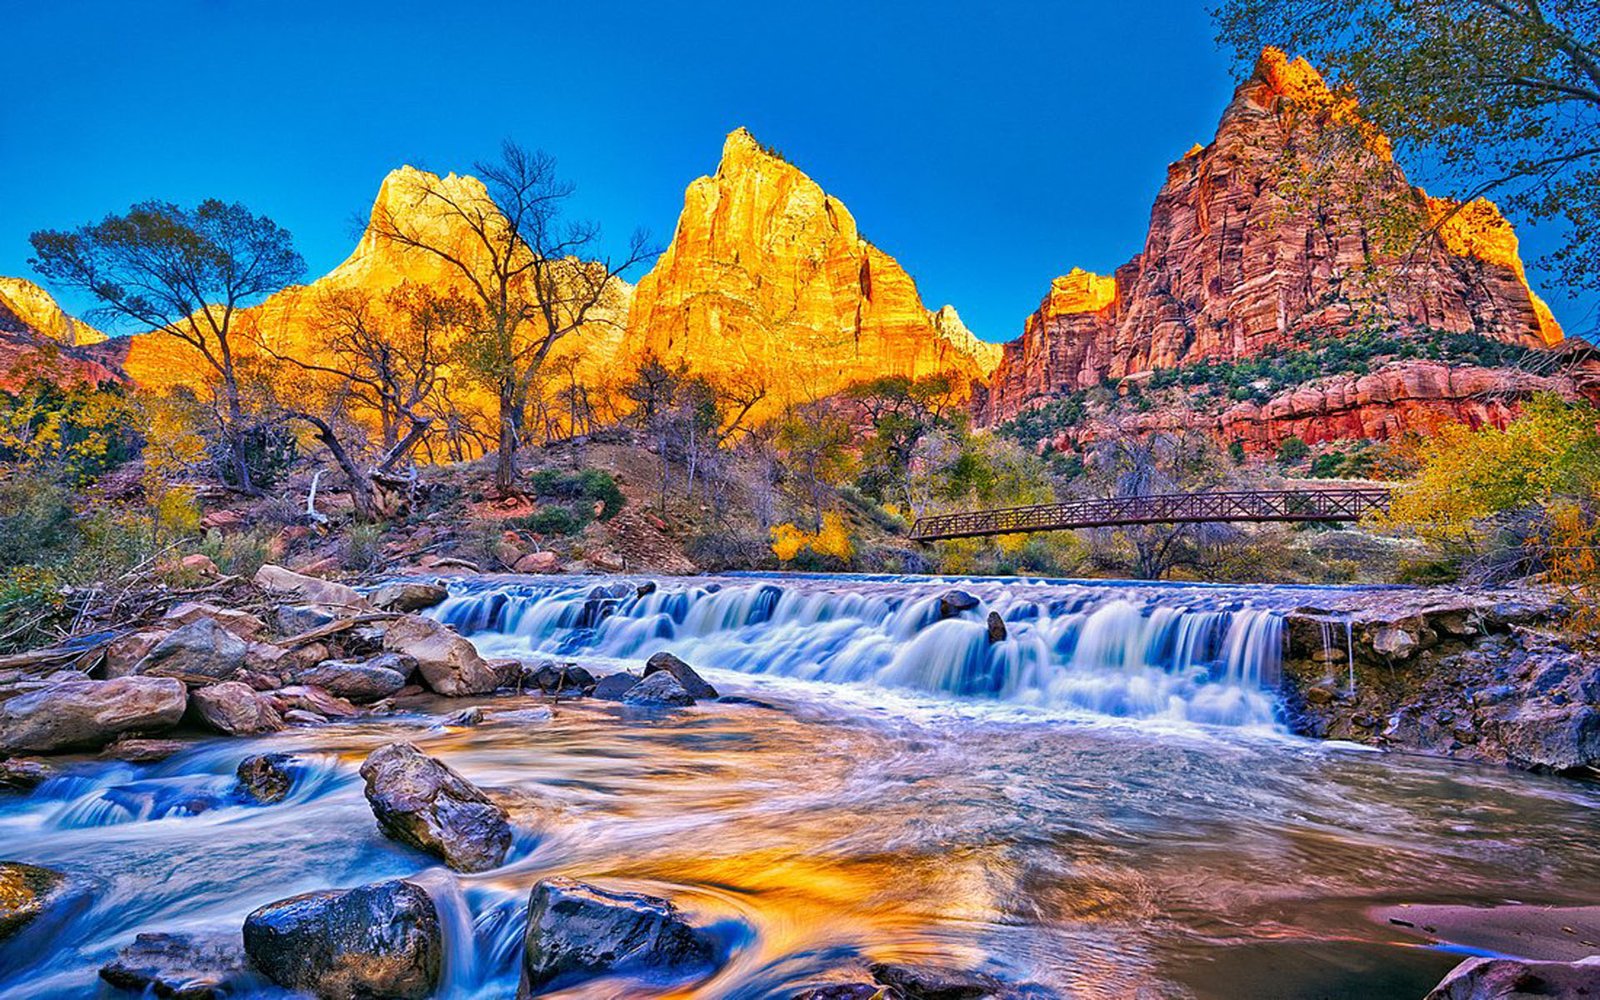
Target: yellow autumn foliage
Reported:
point(832, 539)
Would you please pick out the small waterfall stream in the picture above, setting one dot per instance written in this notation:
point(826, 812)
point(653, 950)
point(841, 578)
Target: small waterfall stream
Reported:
point(1192, 654)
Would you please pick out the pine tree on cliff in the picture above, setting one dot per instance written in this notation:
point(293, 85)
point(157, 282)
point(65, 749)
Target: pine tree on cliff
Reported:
point(529, 271)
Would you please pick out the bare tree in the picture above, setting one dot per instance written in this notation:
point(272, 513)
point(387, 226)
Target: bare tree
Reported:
point(185, 272)
point(523, 263)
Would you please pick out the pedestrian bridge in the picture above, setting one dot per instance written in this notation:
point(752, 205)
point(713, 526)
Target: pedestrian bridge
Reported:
point(1332, 504)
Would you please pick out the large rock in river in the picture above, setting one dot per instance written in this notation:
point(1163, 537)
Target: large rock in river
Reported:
point(1511, 979)
point(659, 690)
point(25, 892)
point(685, 675)
point(181, 966)
point(266, 777)
point(423, 802)
point(281, 582)
point(379, 940)
point(578, 931)
point(234, 708)
point(408, 596)
point(360, 681)
point(87, 714)
point(449, 663)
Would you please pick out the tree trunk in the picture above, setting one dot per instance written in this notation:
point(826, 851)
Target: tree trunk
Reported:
point(505, 466)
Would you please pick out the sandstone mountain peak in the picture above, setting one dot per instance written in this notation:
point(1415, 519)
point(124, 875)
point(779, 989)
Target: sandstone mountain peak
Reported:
point(38, 309)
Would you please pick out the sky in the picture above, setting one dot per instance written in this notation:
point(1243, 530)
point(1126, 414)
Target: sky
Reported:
point(987, 146)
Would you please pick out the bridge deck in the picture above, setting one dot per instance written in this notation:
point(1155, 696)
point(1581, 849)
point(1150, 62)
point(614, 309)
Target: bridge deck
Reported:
point(1336, 504)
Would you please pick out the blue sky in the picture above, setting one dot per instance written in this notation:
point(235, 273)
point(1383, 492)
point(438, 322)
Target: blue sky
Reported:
point(989, 147)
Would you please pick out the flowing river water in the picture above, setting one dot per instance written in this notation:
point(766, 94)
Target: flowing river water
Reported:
point(1103, 804)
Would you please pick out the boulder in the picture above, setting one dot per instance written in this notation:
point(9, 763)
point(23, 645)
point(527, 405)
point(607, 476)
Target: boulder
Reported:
point(659, 690)
point(407, 596)
point(266, 778)
point(1545, 737)
point(360, 681)
point(578, 931)
point(538, 562)
point(280, 582)
point(996, 627)
point(25, 892)
point(645, 589)
point(18, 774)
point(310, 698)
point(422, 802)
point(87, 714)
point(448, 663)
point(124, 653)
point(240, 623)
point(380, 940)
point(141, 751)
point(271, 659)
point(205, 966)
point(850, 991)
point(613, 686)
point(953, 602)
point(464, 719)
point(691, 681)
point(202, 648)
point(1509, 979)
point(568, 679)
point(301, 717)
point(235, 709)
point(293, 619)
point(1394, 643)
point(935, 982)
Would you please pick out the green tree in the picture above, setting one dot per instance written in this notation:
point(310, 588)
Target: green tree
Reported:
point(1498, 97)
point(185, 272)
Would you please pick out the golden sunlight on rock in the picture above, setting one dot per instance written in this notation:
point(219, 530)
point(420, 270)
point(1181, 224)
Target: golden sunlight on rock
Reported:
point(1478, 230)
point(39, 310)
point(768, 276)
point(1079, 291)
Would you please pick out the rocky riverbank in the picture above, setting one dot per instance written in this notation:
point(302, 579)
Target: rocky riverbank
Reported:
point(1477, 675)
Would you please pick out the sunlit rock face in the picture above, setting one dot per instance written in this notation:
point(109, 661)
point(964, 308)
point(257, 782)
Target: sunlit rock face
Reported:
point(38, 309)
point(39, 340)
point(294, 322)
point(1271, 236)
point(767, 276)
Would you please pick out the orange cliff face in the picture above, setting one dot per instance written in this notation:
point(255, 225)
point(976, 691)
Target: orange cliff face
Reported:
point(1271, 237)
point(768, 277)
point(293, 322)
point(40, 339)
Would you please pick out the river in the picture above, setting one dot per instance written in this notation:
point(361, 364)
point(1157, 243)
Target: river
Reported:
point(1102, 804)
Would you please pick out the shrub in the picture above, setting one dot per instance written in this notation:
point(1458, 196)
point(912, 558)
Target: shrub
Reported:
point(587, 484)
point(552, 520)
point(1292, 451)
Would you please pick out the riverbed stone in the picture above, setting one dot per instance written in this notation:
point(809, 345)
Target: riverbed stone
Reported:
point(201, 649)
point(577, 931)
point(996, 627)
point(235, 709)
point(936, 982)
point(850, 991)
point(241, 623)
point(186, 966)
point(659, 690)
point(303, 589)
point(266, 778)
point(692, 682)
point(310, 698)
point(25, 892)
point(125, 652)
point(421, 801)
point(359, 681)
point(1395, 643)
point(380, 940)
point(88, 714)
point(1550, 737)
point(294, 619)
point(408, 595)
point(448, 663)
point(953, 602)
point(563, 679)
point(19, 774)
point(1511, 979)
point(613, 686)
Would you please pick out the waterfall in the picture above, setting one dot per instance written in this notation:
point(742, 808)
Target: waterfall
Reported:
point(1135, 651)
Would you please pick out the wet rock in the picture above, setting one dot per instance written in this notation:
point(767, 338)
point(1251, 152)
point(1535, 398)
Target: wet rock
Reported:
point(953, 602)
point(465, 718)
point(408, 596)
point(646, 588)
point(850, 991)
point(202, 648)
point(567, 679)
point(302, 717)
point(448, 663)
point(266, 778)
point(422, 802)
point(933, 982)
point(284, 583)
point(997, 627)
point(181, 966)
point(685, 675)
point(141, 751)
point(87, 714)
point(613, 686)
point(379, 940)
point(1395, 643)
point(578, 931)
point(538, 562)
point(310, 698)
point(25, 892)
point(293, 619)
point(234, 709)
point(1507, 979)
point(360, 681)
point(1552, 737)
point(18, 774)
point(659, 690)
point(125, 652)
point(240, 623)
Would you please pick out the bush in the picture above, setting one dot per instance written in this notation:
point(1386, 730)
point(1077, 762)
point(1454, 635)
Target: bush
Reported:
point(552, 520)
point(720, 551)
point(1292, 451)
point(588, 484)
point(362, 546)
point(36, 519)
point(241, 553)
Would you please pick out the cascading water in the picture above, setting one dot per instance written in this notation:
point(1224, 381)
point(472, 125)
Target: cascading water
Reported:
point(1190, 654)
